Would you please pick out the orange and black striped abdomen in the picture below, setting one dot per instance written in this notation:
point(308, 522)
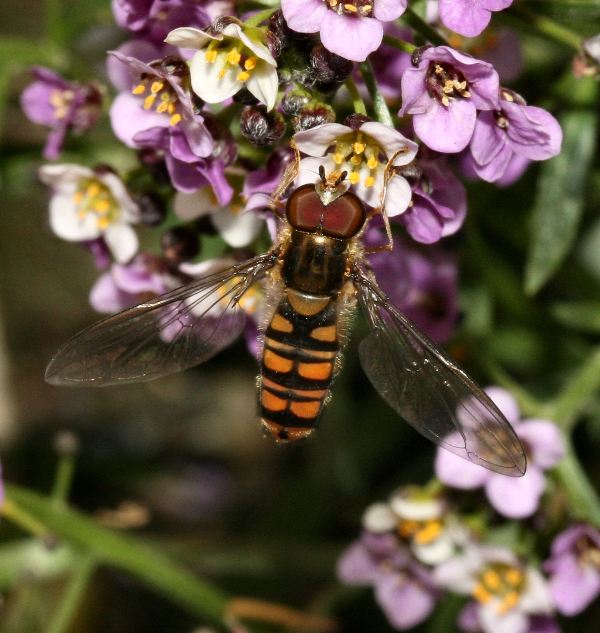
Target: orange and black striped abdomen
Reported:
point(298, 363)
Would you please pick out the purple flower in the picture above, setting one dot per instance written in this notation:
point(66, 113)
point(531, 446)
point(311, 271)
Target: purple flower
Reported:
point(351, 29)
point(509, 596)
point(422, 283)
point(64, 106)
point(389, 63)
point(513, 129)
point(468, 621)
point(512, 497)
point(403, 587)
point(439, 202)
point(469, 17)
point(574, 568)
point(502, 48)
point(126, 285)
point(153, 19)
point(444, 92)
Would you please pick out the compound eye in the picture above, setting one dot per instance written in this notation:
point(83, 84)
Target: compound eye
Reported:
point(344, 217)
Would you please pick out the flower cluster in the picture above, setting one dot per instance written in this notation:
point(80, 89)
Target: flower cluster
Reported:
point(419, 545)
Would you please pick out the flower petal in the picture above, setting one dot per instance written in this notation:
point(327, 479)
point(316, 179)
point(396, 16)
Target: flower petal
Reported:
point(263, 84)
point(350, 37)
point(356, 566)
point(454, 471)
point(405, 602)
point(446, 129)
point(516, 497)
point(237, 229)
point(574, 586)
point(392, 142)
point(65, 222)
point(188, 37)
point(544, 441)
point(122, 241)
point(207, 81)
point(317, 140)
point(304, 17)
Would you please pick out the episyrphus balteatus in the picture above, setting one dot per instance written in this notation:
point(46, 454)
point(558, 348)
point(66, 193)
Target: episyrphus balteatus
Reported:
point(314, 276)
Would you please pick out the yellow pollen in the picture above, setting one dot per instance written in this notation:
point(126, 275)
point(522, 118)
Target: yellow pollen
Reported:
point(162, 107)
point(221, 73)
point(338, 158)
point(354, 178)
point(460, 85)
point(165, 96)
point(372, 162)
point(93, 189)
point(333, 3)
point(481, 594)
point(149, 101)
point(369, 181)
point(358, 148)
point(356, 160)
point(243, 76)
point(366, 8)
point(103, 223)
point(466, 94)
point(171, 108)
point(445, 100)
point(491, 579)
point(448, 87)
point(77, 197)
point(407, 528)
point(438, 69)
point(510, 601)
point(174, 120)
point(156, 86)
point(514, 577)
point(233, 57)
point(211, 56)
point(429, 533)
point(139, 89)
point(102, 206)
point(351, 8)
point(250, 63)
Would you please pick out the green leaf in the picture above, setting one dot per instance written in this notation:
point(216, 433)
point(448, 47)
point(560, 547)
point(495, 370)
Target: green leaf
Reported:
point(566, 9)
point(583, 316)
point(560, 199)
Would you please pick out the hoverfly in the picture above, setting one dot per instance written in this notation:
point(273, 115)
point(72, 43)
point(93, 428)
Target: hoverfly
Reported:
point(314, 276)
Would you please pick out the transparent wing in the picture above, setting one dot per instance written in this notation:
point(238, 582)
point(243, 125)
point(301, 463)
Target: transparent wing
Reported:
point(175, 331)
point(430, 392)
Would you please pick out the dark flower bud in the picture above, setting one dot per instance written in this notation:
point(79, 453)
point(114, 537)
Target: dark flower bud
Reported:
point(220, 23)
point(245, 97)
point(415, 57)
point(152, 208)
point(355, 120)
point(260, 127)
point(66, 443)
point(204, 225)
point(154, 161)
point(278, 34)
point(172, 65)
point(101, 169)
point(327, 66)
point(312, 116)
point(179, 244)
point(293, 102)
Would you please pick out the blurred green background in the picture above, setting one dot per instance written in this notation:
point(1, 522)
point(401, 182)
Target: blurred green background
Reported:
point(257, 519)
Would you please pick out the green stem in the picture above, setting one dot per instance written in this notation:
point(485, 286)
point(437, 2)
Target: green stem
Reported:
point(357, 103)
point(63, 616)
point(55, 32)
point(63, 479)
point(20, 517)
point(418, 24)
point(583, 499)
point(382, 113)
point(577, 393)
point(547, 27)
point(124, 552)
point(260, 17)
point(396, 42)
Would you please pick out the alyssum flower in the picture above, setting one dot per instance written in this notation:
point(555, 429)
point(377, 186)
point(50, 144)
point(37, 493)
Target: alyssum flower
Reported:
point(229, 59)
point(352, 29)
point(469, 17)
point(443, 92)
point(87, 204)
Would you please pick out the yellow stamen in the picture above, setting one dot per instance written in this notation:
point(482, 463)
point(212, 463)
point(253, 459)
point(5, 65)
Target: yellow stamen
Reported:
point(93, 189)
point(445, 101)
point(250, 63)
point(514, 577)
point(491, 579)
point(481, 594)
point(210, 56)
point(372, 162)
point(351, 8)
point(139, 89)
point(432, 529)
point(162, 107)
point(407, 528)
point(233, 57)
point(354, 178)
point(355, 160)
point(338, 158)
point(165, 96)
point(369, 181)
point(103, 223)
point(77, 197)
point(102, 206)
point(510, 601)
point(221, 73)
point(243, 76)
point(174, 120)
point(171, 108)
point(358, 148)
point(156, 86)
point(149, 101)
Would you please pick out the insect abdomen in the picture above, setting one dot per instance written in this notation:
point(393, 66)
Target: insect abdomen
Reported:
point(298, 364)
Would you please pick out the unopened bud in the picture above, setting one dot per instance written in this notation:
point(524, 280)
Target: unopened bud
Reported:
point(293, 102)
point(278, 33)
point(180, 244)
point(312, 116)
point(260, 127)
point(245, 97)
point(66, 443)
point(355, 120)
point(151, 206)
point(329, 67)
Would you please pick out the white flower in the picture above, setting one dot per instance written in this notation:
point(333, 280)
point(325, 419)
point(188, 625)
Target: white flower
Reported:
point(506, 591)
point(236, 226)
point(363, 154)
point(228, 61)
point(87, 205)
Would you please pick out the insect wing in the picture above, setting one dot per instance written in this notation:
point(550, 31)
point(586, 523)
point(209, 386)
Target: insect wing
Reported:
point(177, 330)
point(430, 392)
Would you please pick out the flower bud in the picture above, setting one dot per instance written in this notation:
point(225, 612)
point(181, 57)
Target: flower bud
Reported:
point(355, 120)
point(260, 127)
point(312, 116)
point(293, 102)
point(152, 208)
point(245, 97)
point(278, 34)
point(328, 67)
point(180, 244)
point(204, 225)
